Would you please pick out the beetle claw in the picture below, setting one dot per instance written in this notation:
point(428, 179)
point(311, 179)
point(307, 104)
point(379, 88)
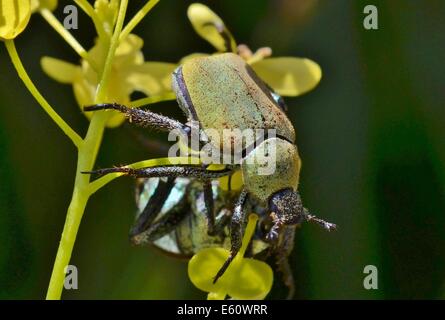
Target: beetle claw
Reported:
point(272, 236)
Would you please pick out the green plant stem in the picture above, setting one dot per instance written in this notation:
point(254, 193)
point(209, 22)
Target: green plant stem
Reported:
point(137, 18)
point(64, 33)
point(87, 154)
point(86, 158)
point(104, 77)
point(12, 51)
point(89, 10)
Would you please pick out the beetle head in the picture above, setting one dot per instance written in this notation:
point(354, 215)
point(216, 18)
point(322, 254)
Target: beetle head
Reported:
point(287, 206)
point(286, 209)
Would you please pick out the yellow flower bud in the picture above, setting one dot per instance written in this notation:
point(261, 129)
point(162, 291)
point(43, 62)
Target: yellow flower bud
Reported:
point(210, 27)
point(14, 16)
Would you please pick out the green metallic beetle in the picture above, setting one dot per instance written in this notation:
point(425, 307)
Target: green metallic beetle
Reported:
point(222, 92)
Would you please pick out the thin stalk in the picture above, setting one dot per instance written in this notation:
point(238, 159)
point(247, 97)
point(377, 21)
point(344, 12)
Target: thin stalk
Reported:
point(67, 36)
point(86, 158)
point(104, 77)
point(64, 33)
point(12, 51)
point(137, 18)
point(89, 10)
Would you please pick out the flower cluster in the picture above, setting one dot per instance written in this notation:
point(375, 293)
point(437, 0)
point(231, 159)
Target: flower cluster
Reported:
point(129, 72)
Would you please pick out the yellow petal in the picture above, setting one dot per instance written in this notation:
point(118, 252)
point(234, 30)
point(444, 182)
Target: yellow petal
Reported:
point(131, 44)
point(151, 78)
point(85, 92)
point(253, 280)
point(244, 279)
point(14, 16)
point(128, 54)
point(210, 27)
point(289, 76)
point(59, 70)
point(115, 120)
point(43, 4)
point(204, 265)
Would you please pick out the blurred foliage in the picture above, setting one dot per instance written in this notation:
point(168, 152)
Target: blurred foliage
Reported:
point(371, 138)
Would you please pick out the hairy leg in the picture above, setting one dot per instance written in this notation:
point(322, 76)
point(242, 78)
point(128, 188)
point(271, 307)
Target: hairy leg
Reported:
point(188, 171)
point(153, 206)
point(236, 232)
point(143, 118)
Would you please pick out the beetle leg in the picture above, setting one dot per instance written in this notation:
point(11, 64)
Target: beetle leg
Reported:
point(197, 172)
point(153, 207)
point(163, 226)
point(210, 206)
point(282, 252)
point(143, 118)
point(286, 271)
point(236, 232)
point(221, 220)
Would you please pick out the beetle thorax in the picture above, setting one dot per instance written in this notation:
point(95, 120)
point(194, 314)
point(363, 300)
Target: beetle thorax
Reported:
point(272, 166)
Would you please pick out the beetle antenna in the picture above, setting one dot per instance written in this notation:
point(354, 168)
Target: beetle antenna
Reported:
point(324, 224)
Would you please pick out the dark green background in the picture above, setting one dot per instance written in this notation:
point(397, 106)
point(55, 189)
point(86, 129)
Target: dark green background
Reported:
point(371, 137)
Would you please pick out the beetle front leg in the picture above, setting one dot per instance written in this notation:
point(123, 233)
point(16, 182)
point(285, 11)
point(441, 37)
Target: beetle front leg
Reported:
point(288, 277)
point(142, 118)
point(282, 252)
point(161, 227)
point(189, 171)
point(236, 232)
